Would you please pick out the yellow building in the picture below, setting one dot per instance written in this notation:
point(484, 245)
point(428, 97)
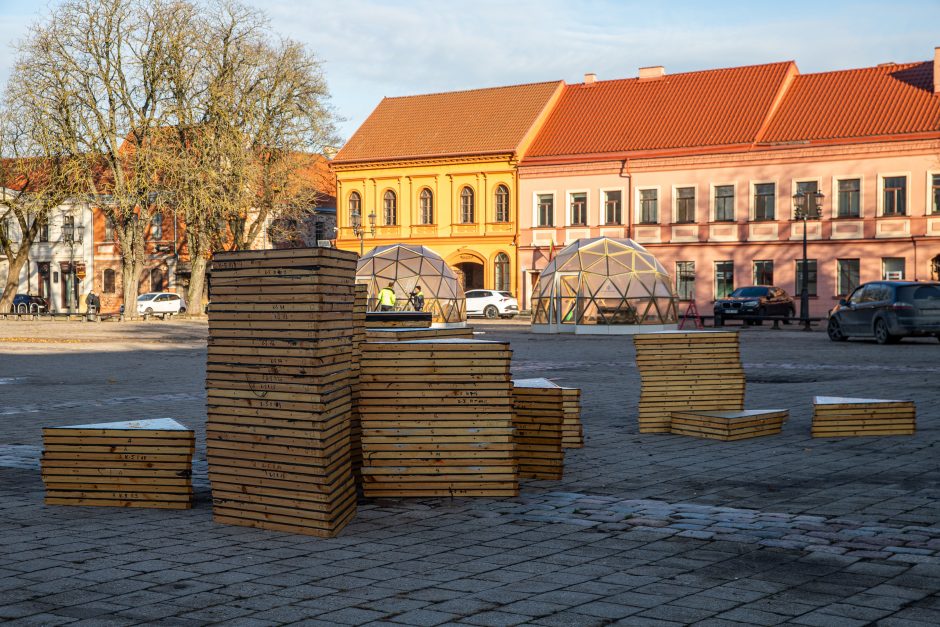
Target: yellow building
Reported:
point(439, 170)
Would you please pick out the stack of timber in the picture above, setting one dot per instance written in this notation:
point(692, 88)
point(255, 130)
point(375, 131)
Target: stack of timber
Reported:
point(836, 417)
point(538, 415)
point(398, 320)
point(280, 356)
point(141, 463)
point(360, 306)
point(572, 434)
point(437, 419)
point(729, 425)
point(392, 334)
point(682, 370)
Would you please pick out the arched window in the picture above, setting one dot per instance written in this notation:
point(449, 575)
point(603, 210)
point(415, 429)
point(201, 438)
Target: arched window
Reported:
point(466, 205)
point(355, 209)
point(501, 265)
point(426, 204)
point(390, 208)
point(502, 203)
point(107, 281)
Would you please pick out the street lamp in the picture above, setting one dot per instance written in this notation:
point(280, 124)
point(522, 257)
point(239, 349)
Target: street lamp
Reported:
point(359, 230)
point(807, 205)
point(72, 235)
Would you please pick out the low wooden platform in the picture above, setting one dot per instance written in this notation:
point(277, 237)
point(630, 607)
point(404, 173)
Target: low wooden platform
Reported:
point(398, 319)
point(838, 417)
point(728, 425)
point(392, 334)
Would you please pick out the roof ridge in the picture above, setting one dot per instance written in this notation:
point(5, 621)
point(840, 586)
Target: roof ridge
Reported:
point(706, 71)
point(474, 89)
point(893, 65)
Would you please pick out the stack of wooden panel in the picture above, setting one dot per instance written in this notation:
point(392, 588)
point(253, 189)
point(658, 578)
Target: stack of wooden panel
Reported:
point(437, 419)
point(398, 320)
point(728, 425)
point(572, 435)
point(392, 334)
point(681, 370)
point(278, 387)
point(360, 307)
point(141, 463)
point(538, 415)
point(836, 417)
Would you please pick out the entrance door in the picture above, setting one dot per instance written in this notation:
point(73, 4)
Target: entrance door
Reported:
point(472, 275)
point(45, 283)
point(566, 298)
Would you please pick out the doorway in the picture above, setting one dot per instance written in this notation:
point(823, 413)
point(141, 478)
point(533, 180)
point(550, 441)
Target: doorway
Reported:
point(566, 298)
point(472, 275)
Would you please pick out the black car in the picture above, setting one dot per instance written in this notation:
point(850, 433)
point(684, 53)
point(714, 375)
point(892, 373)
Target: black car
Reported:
point(754, 300)
point(887, 311)
point(27, 303)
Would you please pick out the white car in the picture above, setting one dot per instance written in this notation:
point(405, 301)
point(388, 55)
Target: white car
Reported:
point(491, 304)
point(160, 303)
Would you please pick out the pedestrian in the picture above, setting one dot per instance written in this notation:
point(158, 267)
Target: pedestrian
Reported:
point(92, 303)
point(417, 299)
point(387, 298)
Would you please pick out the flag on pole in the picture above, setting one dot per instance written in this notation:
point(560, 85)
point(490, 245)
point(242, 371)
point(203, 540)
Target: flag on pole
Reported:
point(551, 250)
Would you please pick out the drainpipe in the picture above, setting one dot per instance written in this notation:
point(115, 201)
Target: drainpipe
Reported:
point(628, 201)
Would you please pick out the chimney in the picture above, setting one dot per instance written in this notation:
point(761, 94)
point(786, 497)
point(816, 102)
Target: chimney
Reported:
point(590, 78)
point(656, 71)
point(936, 70)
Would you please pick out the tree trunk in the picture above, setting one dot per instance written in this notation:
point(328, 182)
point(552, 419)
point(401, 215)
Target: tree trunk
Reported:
point(197, 281)
point(14, 267)
point(130, 274)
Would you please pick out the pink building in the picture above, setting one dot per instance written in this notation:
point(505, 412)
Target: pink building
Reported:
point(701, 169)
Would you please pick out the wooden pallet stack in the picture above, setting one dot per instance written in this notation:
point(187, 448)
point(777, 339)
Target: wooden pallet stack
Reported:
point(398, 320)
point(140, 463)
point(437, 419)
point(728, 425)
point(360, 306)
point(572, 433)
point(392, 334)
point(538, 416)
point(837, 417)
point(682, 370)
point(281, 330)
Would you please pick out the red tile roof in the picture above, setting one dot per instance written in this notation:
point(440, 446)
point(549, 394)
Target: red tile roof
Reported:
point(475, 122)
point(894, 99)
point(710, 108)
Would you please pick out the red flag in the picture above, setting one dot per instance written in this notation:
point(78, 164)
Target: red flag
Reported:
point(551, 250)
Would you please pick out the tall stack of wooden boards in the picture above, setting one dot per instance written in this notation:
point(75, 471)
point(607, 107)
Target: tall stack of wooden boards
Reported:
point(728, 425)
point(360, 307)
point(142, 463)
point(835, 416)
point(278, 386)
point(437, 419)
point(392, 334)
point(572, 433)
point(538, 414)
point(682, 370)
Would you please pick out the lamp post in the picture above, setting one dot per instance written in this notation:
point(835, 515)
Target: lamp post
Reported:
point(359, 229)
point(72, 235)
point(807, 205)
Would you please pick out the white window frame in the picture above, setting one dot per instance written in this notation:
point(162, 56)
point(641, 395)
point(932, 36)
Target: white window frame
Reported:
point(587, 207)
point(834, 195)
point(638, 206)
point(881, 194)
point(927, 205)
point(602, 206)
point(752, 206)
point(675, 203)
point(819, 188)
point(713, 206)
point(535, 208)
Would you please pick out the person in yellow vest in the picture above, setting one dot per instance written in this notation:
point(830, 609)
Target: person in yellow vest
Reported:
point(387, 298)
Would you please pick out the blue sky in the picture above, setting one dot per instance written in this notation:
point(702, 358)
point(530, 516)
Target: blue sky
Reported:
point(376, 48)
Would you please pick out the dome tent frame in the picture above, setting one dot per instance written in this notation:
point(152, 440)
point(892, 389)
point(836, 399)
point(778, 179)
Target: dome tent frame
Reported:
point(406, 266)
point(604, 285)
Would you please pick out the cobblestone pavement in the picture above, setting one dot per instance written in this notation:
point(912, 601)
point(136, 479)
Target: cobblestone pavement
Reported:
point(644, 529)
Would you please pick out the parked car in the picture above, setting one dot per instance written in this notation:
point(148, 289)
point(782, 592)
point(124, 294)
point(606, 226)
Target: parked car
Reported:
point(755, 300)
point(491, 304)
point(27, 303)
point(887, 311)
point(160, 303)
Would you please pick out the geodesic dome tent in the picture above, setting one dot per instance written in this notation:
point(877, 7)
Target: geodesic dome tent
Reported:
point(406, 266)
point(604, 285)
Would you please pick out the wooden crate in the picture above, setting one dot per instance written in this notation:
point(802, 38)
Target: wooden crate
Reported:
point(538, 415)
point(140, 463)
point(836, 417)
point(437, 419)
point(728, 425)
point(281, 371)
point(392, 334)
point(687, 370)
point(572, 433)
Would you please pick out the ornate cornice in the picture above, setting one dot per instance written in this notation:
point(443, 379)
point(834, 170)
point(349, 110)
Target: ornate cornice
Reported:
point(411, 163)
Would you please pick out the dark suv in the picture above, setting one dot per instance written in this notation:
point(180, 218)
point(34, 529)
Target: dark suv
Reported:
point(755, 300)
point(887, 311)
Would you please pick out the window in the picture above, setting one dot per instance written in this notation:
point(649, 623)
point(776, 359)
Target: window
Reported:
point(810, 277)
point(724, 203)
point(319, 231)
point(156, 280)
point(466, 205)
point(390, 208)
point(546, 208)
point(649, 206)
point(685, 280)
point(724, 278)
point(355, 209)
point(156, 227)
point(426, 206)
point(579, 209)
point(612, 207)
point(108, 230)
point(810, 187)
point(850, 199)
point(107, 281)
point(935, 194)
point(892, 268)
point(895, 196)
point(765, 201)
point(847, 278)
point(685, 204)
point(501, 267)
point(763, 273)
point(502, 203)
